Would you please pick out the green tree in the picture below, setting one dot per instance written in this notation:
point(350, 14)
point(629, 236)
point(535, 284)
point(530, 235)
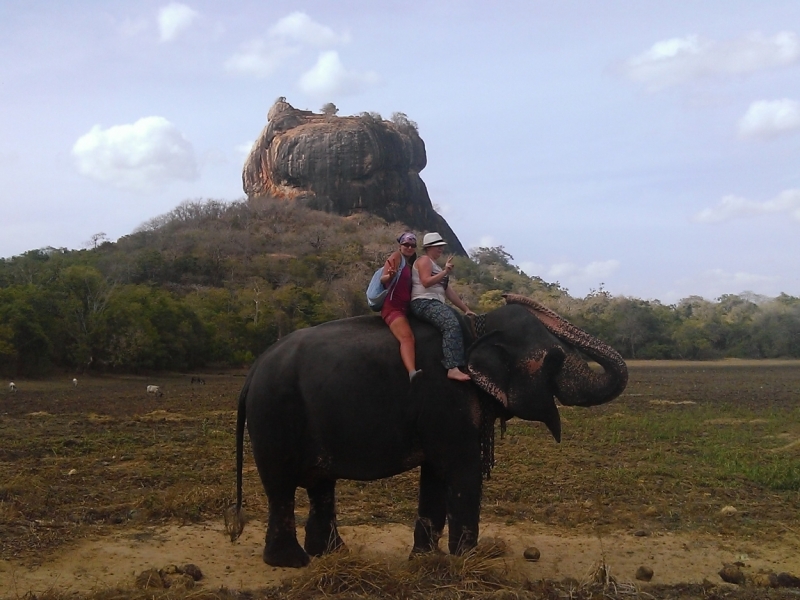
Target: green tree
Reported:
point(84, 297)
point(30, 326)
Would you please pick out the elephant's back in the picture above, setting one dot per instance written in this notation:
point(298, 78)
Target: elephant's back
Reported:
point(368, 328)
point(342, 387)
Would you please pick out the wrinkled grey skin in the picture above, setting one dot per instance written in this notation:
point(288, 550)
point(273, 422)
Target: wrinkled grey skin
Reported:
point(334, 402)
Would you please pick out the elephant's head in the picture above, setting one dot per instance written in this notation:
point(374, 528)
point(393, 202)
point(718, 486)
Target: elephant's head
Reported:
point(529, 356)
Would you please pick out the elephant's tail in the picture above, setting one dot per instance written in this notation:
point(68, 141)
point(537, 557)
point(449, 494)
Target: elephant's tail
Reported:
point(234, 514)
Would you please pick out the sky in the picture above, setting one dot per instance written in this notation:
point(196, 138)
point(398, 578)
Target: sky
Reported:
point(646, 148)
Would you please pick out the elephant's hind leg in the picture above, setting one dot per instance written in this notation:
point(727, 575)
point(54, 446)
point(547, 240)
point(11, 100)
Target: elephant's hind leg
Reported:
point(431, 513)
point(281, 548)
point(321, 533)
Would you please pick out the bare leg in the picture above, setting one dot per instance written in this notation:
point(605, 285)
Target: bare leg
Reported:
point(402, 331)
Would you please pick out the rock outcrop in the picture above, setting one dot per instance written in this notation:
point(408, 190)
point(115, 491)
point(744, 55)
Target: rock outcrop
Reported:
point(344, 165)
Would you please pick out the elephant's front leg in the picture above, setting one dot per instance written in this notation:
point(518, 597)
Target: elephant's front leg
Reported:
point(321, 533)
point(432, 511)
point(464, 507)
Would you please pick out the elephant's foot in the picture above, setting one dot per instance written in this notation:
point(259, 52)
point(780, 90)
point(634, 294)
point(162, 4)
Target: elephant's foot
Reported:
point(425, 551)
point(463, 543)
point(426, 538)
point(285, 553)
point(319, 544)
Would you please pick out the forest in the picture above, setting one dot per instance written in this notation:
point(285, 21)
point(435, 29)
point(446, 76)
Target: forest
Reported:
point(214, 283)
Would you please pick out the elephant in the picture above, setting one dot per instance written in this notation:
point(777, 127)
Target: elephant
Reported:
point(334, 401)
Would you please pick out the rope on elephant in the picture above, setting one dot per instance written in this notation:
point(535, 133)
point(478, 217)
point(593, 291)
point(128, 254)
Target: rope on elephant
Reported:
point(476, 327)
point(488, 418)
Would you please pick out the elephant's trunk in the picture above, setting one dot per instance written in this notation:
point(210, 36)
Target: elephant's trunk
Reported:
point(576, 383)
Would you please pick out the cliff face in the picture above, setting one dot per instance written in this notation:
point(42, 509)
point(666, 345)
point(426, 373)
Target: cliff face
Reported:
point(344, 165)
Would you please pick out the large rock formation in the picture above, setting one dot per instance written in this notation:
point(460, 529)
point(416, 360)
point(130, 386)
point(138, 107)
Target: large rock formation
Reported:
point(344, 165)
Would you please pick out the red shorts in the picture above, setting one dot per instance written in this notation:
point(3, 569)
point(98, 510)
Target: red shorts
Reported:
point(392, 314)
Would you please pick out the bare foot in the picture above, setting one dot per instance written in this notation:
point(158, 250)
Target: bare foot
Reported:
point(457, 374)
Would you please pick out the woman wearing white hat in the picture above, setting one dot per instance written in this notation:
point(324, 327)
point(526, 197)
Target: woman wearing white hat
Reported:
point(429, 288)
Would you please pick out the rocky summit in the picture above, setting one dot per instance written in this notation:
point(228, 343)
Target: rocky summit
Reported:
point(344, 165)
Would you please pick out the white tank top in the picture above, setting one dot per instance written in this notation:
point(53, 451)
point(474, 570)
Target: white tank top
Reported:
point(435, 292)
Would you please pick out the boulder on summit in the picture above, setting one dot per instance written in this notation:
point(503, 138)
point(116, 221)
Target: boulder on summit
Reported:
point(344, 165)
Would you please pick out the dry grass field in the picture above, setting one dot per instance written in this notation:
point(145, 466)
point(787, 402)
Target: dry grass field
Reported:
point(84, 467)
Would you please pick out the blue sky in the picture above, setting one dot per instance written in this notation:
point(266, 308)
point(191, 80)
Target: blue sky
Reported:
point(647, 146)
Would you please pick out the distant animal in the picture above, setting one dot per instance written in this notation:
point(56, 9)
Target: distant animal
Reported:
point(74, 383)
point(334, 402)
point(12, 387)
point(199, 380)
point(155, 390)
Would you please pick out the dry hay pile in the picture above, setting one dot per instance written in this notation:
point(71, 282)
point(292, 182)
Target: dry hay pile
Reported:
point(481, 573)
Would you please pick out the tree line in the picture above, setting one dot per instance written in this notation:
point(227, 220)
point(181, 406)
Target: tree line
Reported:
point(215, 283)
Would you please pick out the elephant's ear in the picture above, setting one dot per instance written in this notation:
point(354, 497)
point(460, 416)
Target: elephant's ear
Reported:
point(489, 364)
point(552, 420)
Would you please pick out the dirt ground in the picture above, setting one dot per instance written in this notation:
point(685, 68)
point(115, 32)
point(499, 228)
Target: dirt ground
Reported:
point(113, 561)
point(101, 482)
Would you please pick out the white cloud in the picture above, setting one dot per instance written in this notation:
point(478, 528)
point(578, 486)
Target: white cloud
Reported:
point(599, 269)
point(263, 56)
point(259, 58)
point(568, 273)
point(713, 283)
point(137, 156)
point(299, 27)
point(133, 27)
point(244, 149)
point(174, 19)
point(531, 268)
point(329, 77)
point(442, 209)
point(677, 60)
point(592, 271)
point(768, 118)
point(736, 280)
point(735, 207)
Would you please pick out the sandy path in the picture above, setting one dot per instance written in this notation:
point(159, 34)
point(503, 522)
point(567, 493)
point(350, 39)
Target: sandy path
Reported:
point(113, 561)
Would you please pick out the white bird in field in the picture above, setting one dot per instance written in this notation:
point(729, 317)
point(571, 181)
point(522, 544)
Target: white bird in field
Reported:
point(74, 383)
point(11, 387)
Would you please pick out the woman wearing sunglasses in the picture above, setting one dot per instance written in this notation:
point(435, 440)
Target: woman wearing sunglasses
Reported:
point(395, 306)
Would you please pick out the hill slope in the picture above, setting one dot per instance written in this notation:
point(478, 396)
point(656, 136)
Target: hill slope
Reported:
point(216, 283)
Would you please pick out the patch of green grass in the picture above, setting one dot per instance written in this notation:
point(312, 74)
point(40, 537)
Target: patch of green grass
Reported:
point(108, 456)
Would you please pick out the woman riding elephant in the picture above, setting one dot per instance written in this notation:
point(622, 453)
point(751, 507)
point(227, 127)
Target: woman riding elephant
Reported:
point(429, 288)
point(395, 306)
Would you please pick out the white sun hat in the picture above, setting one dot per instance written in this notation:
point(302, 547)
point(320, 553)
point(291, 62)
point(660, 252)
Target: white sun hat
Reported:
point(432, 239)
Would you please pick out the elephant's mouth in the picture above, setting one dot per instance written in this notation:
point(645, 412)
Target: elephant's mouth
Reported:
point(542, 408)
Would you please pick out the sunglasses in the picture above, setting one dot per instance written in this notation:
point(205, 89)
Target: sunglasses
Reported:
point(407, 245)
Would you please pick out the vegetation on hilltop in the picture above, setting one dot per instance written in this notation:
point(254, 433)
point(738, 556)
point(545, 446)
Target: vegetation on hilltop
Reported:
point(215, 283)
